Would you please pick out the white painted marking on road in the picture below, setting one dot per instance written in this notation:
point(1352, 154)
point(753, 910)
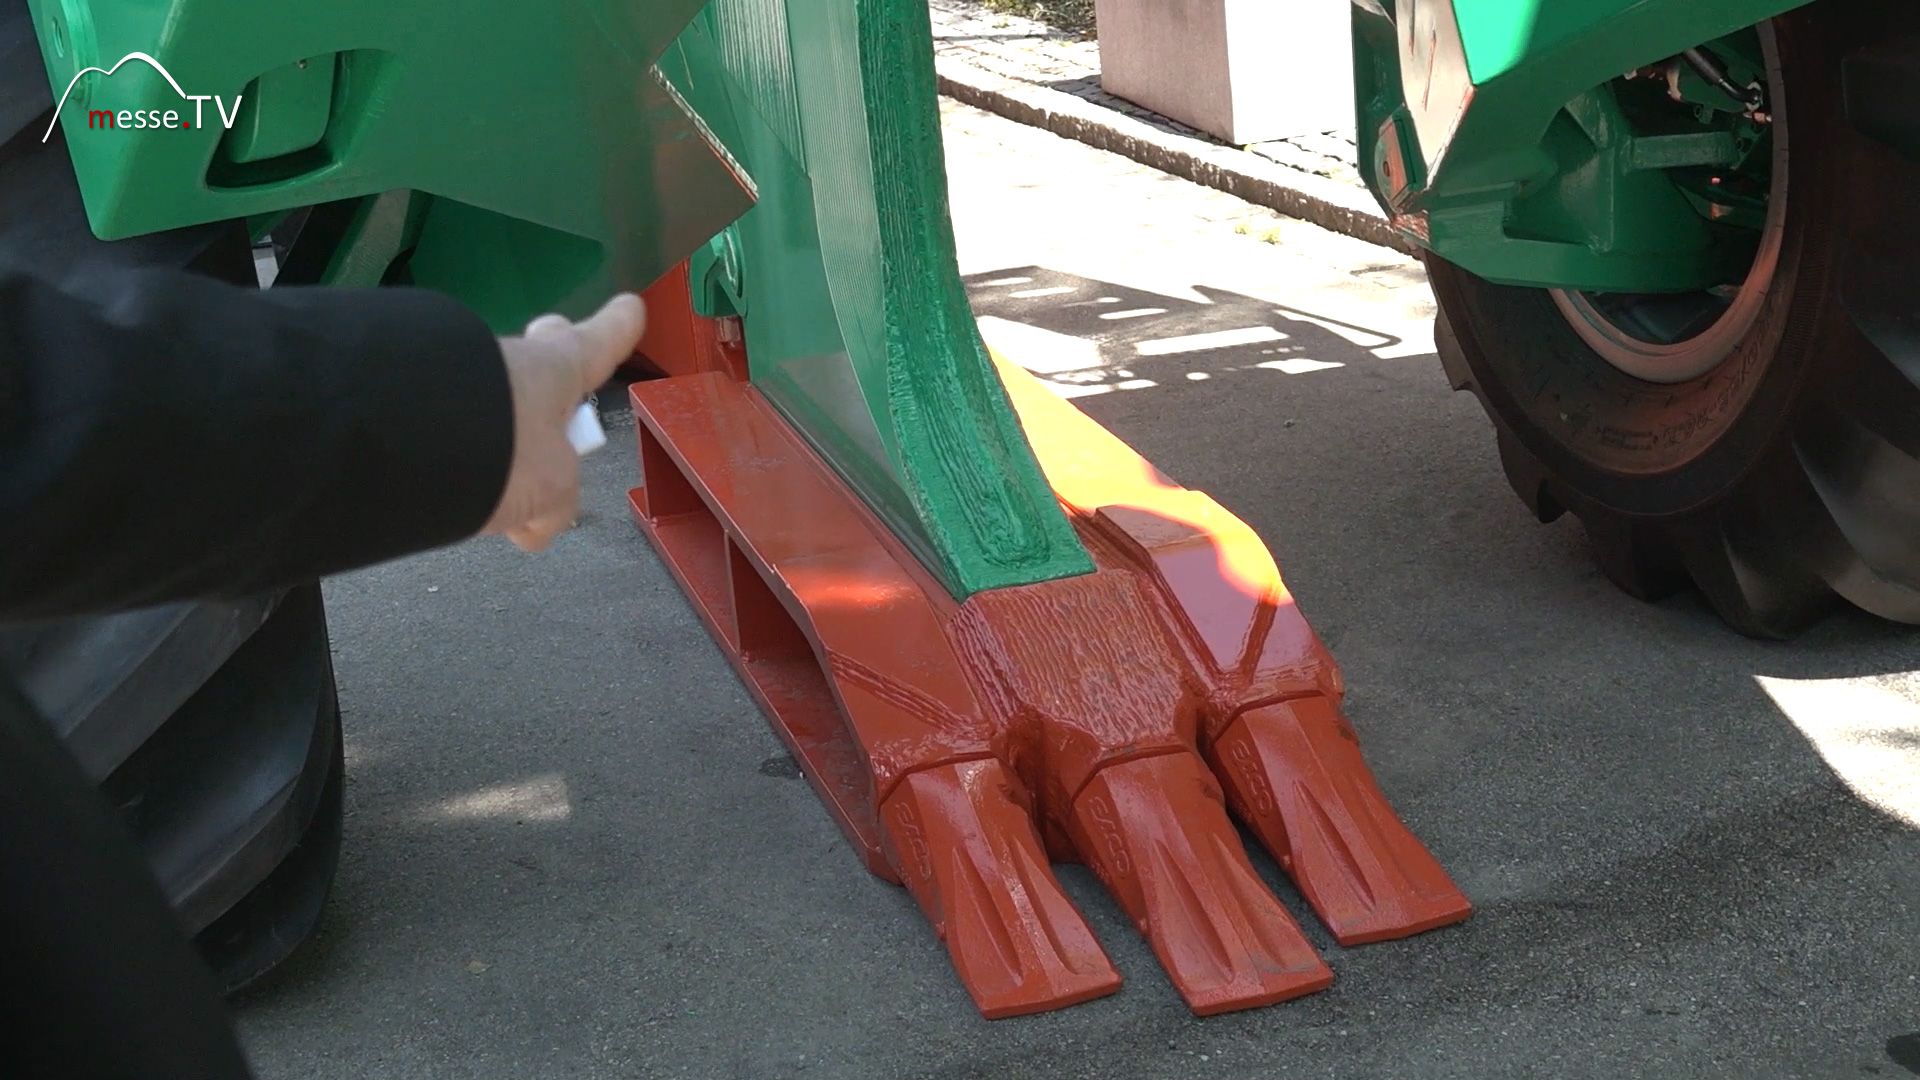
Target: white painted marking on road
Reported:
point(1196, 376)
point(1298, 366)
point(1219, 339)
point(1134, 313)
point(1135, 384)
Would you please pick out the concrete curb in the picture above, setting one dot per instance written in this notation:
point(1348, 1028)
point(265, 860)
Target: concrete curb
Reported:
point(1326, 203)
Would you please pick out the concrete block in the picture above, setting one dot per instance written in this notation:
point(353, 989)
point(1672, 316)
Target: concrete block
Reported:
point(1244, 71)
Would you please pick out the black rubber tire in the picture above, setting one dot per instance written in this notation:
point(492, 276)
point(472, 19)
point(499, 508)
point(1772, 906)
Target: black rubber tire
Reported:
point(258, 931)
point(281, 913)
point(1788, 477)
point(43, 224)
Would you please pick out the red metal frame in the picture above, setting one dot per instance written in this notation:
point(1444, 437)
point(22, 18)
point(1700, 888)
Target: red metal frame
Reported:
point(1110, 718)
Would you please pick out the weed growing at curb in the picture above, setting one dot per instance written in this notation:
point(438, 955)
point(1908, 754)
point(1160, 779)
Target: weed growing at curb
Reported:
point(1265, 230)
point(1073, 15)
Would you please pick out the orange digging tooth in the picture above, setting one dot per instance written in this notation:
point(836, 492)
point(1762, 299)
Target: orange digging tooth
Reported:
point(971, 857)
point(1155, 832)
point(1296, 778)
point(1099, 700)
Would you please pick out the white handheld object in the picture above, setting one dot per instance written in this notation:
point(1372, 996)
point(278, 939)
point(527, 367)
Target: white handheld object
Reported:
point(584, 430)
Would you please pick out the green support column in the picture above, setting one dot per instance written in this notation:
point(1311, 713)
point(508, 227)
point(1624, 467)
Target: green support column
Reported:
point(857, 324)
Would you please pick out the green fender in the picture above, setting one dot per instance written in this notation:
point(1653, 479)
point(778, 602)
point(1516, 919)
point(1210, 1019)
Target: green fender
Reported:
point(1491, 133)
point(554, 162)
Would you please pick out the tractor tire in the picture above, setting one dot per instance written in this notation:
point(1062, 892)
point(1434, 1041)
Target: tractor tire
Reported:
point(1780, 474)
point(212, 728)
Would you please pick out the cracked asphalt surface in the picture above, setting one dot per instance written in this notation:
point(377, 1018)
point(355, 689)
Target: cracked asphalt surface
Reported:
point(575, 849)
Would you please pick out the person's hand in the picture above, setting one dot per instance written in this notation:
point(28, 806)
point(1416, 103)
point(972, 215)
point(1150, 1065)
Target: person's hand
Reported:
point(552, 368)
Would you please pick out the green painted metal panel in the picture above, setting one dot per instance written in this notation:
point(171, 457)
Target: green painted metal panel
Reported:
point(1497, 34)
point(529, 157)
point(283, 112)
point(548, 115)
point(1502, 35)
point(382, 227)
point(1497, 133)
point(857, 324)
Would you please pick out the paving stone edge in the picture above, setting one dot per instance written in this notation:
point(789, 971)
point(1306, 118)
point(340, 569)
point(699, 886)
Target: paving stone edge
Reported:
point(1326, 203)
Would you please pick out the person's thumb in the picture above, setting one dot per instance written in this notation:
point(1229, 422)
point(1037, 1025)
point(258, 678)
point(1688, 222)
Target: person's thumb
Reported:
point(547, 324)
point(609, 337)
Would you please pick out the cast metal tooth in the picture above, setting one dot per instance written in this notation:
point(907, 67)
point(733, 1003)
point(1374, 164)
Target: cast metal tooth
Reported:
point(1294, 774)
point(967, 850)
point(1156, 833)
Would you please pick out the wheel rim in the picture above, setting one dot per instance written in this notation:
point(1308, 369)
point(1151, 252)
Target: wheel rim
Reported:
point(1670, 338)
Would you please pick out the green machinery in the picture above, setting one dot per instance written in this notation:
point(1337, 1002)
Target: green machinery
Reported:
point(1671, 241)
point(1666, 187)
point(1672, 245)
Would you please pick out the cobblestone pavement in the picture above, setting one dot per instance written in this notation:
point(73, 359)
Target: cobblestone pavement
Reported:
point(1033, 52)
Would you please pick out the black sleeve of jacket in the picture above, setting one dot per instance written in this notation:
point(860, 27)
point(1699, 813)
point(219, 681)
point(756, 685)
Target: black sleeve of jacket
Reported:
point(164, 436)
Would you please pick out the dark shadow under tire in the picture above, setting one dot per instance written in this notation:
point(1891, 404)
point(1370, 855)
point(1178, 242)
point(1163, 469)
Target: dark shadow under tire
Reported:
point(1787, 478)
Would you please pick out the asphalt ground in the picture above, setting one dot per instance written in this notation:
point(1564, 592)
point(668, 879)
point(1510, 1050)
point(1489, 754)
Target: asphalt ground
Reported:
point(575, 849)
